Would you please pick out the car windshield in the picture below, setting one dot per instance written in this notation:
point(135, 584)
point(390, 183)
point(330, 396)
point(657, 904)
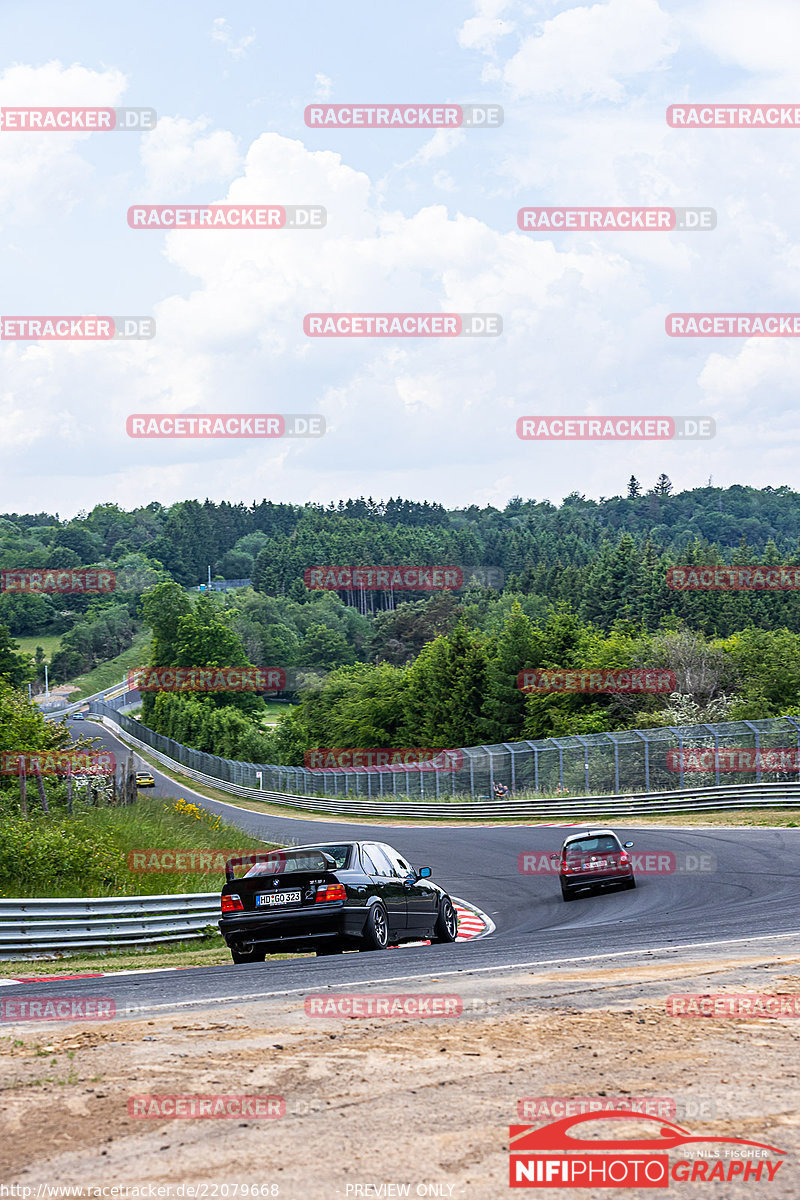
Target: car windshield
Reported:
point(606, 844)
point(301, 859)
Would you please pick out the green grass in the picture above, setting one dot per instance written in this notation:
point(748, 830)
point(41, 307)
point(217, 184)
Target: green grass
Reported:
point(91, 853)
point(274, 711)
point(114, 670)
point(50, 643)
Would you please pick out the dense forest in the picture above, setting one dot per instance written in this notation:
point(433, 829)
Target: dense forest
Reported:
point(580, 584)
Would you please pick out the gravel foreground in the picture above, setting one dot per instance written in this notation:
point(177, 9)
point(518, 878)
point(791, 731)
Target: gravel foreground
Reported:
point(388, 1106)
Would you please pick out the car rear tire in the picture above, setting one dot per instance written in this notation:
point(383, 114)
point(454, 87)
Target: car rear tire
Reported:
point(376, 930)
point(254, 954)
point(630, 883)
point(446, 927)
point(566, 894)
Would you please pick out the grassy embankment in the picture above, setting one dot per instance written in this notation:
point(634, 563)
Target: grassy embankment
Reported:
point(137, 655)
point(90, 855)
point(50, 643)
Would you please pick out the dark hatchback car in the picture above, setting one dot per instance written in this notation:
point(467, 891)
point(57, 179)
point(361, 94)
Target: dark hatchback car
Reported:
point(595, 858)
point(330, 898)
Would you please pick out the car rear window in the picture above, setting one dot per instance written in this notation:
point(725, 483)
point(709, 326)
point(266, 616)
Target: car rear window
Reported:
point(284, 861)
point(601, 845)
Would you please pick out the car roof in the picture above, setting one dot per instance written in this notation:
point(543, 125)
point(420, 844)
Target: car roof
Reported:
point(590, 833)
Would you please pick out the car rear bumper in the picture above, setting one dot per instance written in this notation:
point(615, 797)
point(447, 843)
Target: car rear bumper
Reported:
point(297, 929)
point(595, 879)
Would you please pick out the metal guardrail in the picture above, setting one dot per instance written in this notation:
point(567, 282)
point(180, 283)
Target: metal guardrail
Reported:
point(66, 709)
point(707, 799)
point(37, 926)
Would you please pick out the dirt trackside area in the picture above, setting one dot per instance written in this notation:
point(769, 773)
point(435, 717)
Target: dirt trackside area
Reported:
point(390, 1106)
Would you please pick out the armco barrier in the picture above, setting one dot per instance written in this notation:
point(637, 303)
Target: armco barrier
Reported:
point(710, 799)
point(38, 926)
point(66, 709)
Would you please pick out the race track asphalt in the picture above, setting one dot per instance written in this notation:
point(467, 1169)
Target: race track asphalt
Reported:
point(746, 899)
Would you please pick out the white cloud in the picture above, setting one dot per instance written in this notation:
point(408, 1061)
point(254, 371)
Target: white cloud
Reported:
point(221, 32)
point(762, 38)
point(178, 155)
point(43, 173)
point(593, 52)
point(322, 87)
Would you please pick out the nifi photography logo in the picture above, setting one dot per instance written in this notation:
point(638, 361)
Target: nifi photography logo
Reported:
point(551, 1156)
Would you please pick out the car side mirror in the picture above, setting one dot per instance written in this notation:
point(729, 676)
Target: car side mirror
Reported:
point(554, 857)
point(423, 873)
point(627, 845)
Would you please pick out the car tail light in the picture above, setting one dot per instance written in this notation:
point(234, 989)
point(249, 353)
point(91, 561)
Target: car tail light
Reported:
point(232, 904)
point(326, 892)
point(565, 866)
point(623, 859)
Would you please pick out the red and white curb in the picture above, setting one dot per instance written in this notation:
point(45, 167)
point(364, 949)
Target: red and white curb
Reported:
point(472, 924)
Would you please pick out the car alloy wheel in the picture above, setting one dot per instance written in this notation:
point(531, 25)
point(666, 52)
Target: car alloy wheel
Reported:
point(376, 930)
point(446, 928)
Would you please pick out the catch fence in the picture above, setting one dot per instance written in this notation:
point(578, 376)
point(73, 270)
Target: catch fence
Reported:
point(595, 764)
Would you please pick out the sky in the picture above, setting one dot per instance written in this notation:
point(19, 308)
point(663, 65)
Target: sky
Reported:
point(417, 221)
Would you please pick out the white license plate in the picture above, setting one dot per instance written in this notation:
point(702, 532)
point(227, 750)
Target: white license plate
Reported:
point(272, 899)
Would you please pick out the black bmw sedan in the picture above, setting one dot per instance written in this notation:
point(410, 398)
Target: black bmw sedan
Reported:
point(330, 898)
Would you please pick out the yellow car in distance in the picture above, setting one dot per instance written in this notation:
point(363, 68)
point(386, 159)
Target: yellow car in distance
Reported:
point(144, 779)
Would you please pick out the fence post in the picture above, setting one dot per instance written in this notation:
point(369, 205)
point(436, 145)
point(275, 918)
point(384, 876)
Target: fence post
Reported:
point(676, 730)
point(797, 731)
point(639, 734)
point(750, 725)
point(585, 745)
point(23, 785)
